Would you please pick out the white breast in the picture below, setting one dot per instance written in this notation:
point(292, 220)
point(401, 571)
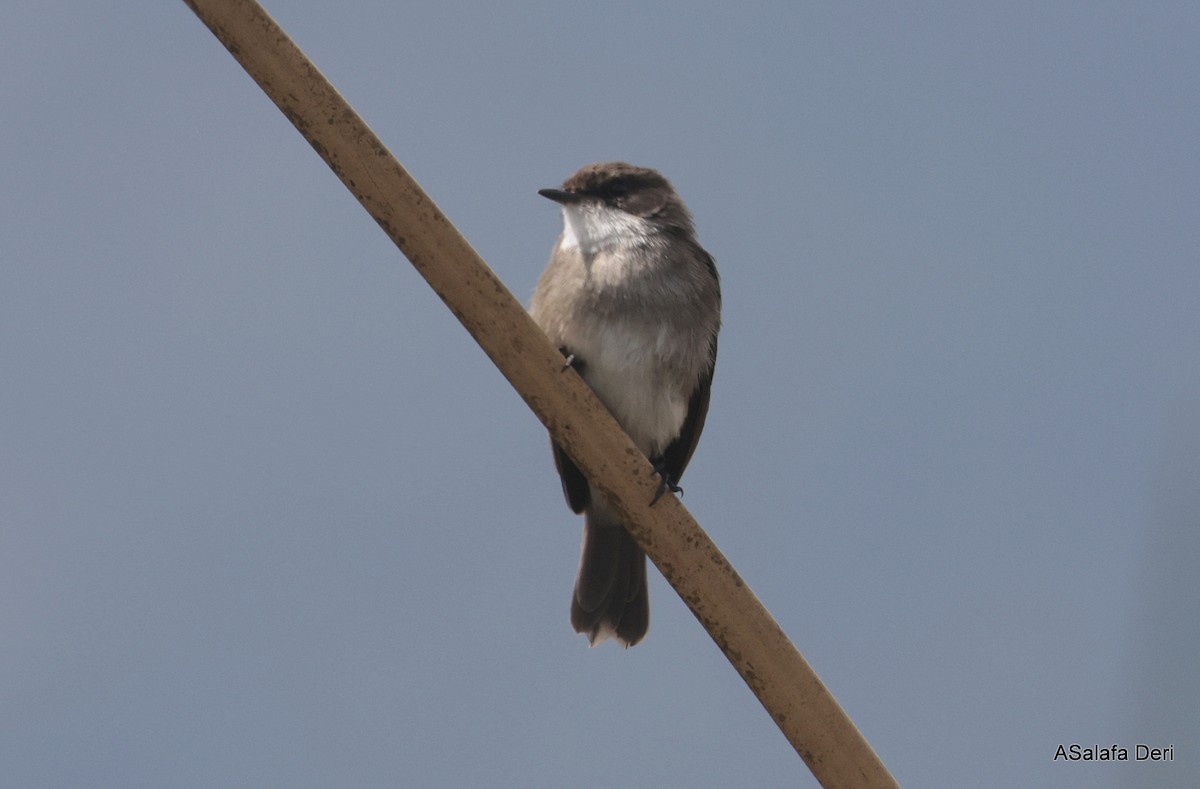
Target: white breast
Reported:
point(624, 358)
point(622, 365)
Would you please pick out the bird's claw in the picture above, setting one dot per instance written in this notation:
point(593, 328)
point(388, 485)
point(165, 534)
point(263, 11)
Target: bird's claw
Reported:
point(570, 361)
point(665, 483)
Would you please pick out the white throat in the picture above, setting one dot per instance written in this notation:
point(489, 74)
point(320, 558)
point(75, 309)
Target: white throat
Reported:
point(594, 227)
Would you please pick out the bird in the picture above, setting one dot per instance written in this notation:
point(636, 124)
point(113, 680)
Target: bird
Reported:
point(633, 302)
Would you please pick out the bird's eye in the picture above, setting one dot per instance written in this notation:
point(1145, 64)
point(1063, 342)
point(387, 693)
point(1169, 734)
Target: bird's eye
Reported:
point(618, 189)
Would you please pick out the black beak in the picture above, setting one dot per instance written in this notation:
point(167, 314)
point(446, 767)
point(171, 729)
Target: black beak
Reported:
point(560, 196)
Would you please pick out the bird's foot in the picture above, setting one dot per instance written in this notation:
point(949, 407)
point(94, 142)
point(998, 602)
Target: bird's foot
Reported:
point(571, 360)
point(665, 482)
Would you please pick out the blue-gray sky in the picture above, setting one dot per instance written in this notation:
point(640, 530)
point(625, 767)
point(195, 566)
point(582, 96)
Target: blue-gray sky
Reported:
point(268, 517)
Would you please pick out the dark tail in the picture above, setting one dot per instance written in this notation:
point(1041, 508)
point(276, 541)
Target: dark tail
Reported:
point(610, 592)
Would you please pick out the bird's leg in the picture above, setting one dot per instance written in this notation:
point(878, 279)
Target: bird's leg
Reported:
point(665, 482)
point(571, 360)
